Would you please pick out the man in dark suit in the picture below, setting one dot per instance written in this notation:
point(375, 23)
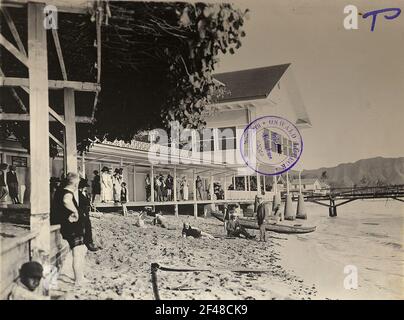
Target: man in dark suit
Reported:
point(263, 213)
point(84, 212)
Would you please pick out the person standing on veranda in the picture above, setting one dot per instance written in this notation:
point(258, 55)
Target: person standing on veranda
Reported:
point(12, 183)
point(147, 183)
point(117, 181)
point(185, 188)
point(169, 187)
point(95, 186)
point(3, 182)
point(199, 187)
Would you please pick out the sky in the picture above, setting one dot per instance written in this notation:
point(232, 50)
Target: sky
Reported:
point(351, 81)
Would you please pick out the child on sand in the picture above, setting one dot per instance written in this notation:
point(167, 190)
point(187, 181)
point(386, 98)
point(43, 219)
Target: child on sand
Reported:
point(27, 287)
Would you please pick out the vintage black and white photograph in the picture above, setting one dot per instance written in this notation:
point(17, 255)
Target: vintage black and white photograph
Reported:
point(212, 150)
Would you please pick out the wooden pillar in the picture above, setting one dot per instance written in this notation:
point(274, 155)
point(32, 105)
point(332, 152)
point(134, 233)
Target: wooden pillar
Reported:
point(212, 190)
point(83, 165)
point(275, 186)
point(134, 183)
point(194, 191)
point(39, 135)
point(175, 192)
point(70, 131)
point(300, 182)
point(225, 187)
point(287, 182)
point(152, 184)
point(258, 184)
point(245, 183)
point(194, 184)
point(175, 184)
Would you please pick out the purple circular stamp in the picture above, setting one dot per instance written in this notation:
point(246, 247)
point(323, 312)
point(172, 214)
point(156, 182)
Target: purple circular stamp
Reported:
point(271, 145)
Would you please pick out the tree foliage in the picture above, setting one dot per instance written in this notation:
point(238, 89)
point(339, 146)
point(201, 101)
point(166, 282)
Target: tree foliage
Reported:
point(157, 65)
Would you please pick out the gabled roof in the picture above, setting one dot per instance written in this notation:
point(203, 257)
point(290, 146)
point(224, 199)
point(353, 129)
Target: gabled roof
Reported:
point(304, 181)
point(250, 84)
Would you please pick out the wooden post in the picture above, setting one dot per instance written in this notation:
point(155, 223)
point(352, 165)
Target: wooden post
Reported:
point(70, 131)
point(39, 135)
point(194, 191)
point(175, 184)
point(287, 182)
point(258, 184)
point(300, 182)
point(275, 187)
point(225, 187)
point(83, 166)
point(212, 190)
point(175, 192)
point(134, 183)
point(152, 184)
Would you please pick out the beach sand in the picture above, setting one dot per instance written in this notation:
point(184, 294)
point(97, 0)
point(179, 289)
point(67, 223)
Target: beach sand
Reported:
point(366, 234)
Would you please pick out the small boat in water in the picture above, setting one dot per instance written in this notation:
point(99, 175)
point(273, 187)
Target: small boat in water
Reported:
point(278, 228)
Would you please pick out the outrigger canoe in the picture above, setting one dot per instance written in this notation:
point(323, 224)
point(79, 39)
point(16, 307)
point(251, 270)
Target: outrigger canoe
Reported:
point(278, 228)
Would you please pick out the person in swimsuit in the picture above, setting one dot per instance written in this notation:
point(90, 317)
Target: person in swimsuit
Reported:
point(188, 231)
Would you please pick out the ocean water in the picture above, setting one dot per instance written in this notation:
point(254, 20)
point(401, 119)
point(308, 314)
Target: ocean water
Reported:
point(367, 237)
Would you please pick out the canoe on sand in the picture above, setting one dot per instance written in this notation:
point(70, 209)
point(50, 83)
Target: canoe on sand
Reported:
point(278, 228)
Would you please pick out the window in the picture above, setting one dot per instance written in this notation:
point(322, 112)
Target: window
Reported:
point(227, 138)
point(205, 140)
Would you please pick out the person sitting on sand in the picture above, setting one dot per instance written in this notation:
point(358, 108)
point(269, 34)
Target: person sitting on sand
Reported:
point(188, 231)
point(235, 229)
point(27, 287)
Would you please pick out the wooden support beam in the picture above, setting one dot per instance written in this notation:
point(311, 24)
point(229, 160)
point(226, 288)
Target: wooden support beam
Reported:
point(57, 117)
point(59, 53)
point(26, 117)
point(211, 187)
point(259, 184)
point(39, 134)
point(70, 131)
point(134, 183)
point(13, 30)
point(13, 50)
point(58, 142)
point(52, 84)
point(152, 183)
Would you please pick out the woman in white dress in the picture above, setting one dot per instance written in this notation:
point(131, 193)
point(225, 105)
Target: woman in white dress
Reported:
point(117, 185)
point(184, 187)
point(104, 184)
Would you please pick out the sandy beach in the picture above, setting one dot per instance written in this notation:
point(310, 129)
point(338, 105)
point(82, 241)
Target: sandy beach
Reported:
point(367, 234)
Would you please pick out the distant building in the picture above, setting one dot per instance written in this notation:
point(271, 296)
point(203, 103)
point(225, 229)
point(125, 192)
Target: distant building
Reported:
point(308, 185)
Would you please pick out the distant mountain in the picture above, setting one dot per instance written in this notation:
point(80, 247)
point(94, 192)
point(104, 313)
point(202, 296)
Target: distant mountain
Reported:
point(366, 172)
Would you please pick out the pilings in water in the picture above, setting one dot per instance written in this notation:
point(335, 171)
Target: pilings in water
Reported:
point(289, 215)
point(332, 210)
point(301, 208)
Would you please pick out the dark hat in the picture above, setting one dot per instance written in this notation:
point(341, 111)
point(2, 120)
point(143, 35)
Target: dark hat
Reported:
point(31, 269)
point(83, 183)
point(12, 167)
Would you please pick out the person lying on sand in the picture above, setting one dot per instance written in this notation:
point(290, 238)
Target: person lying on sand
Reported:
point(235, 229)
point(188, 231)
point(159, 220)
